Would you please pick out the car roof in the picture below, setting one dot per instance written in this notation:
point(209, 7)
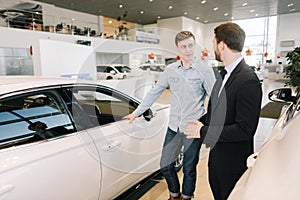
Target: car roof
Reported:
point(111, 65)
point(157, 64)
point(10, 84)
point(16, 83)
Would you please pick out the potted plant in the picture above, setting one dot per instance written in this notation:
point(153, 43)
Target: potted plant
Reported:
point(293, 68)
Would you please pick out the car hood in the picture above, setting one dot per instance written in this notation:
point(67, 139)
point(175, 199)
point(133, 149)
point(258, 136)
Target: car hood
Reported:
point(275, 173)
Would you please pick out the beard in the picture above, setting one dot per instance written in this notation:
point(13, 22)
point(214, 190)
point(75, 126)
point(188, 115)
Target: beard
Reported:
point(218, 56)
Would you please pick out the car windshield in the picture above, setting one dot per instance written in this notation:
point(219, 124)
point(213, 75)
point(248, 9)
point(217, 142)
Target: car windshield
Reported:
point(123, 69)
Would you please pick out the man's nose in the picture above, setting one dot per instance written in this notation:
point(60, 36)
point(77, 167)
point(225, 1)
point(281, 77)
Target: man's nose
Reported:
point(188, 49)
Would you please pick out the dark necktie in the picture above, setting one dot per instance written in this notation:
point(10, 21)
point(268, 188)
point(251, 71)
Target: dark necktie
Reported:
point(223, 73)
point(215, 95)
point(220, 80)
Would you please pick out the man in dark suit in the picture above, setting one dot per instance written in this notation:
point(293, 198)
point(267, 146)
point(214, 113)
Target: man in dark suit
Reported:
point(233, 113)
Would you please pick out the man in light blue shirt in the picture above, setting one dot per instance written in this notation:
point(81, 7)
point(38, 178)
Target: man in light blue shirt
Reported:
point(190, 80)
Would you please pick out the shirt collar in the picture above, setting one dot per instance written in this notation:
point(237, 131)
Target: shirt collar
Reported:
point(233, 65)
point(191, 65)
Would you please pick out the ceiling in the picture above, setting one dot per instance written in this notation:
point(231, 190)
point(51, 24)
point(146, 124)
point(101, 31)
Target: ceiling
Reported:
point(205, 11)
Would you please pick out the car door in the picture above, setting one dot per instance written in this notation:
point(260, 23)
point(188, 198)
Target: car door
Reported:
point(55, 163)
point(128, 152)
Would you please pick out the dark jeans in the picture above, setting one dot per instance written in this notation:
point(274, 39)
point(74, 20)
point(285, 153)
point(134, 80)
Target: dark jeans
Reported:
point(172, 146)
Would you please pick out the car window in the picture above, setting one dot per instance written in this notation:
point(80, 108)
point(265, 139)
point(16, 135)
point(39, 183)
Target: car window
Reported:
point(109, 69)
point(102, 106)
point(123, 69)
point(101, 68)
point(32, 117)
point(294, 108)
point(145, 67)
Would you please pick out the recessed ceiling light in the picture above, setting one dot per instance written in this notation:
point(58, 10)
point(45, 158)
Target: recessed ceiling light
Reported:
point(185, 13)
point(291, 4)
point(292, 10)
point(73, 19)
point(244, 4)
point(121, 6)
point(109, 21)
point(205, 21)
point(142, 12)
point(203, 1)
point(252, 10)
point(256, 15)
point(197, 18)
point(158, 17)
point(216, 8)
point(150, 0)
point(232, 18)
point(170, 7)
point(225, 14)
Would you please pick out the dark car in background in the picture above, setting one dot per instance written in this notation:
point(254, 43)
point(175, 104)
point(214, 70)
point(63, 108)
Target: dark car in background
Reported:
point(154, 69)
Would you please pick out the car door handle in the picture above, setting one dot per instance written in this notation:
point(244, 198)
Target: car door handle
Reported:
point(6, 188)
point(141, 123)
point(113, 144)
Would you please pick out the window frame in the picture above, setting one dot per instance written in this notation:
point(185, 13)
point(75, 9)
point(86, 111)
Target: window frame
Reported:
point(103, 90)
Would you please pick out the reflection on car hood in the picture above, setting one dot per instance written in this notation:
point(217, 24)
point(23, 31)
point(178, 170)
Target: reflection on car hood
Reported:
point(275, 174)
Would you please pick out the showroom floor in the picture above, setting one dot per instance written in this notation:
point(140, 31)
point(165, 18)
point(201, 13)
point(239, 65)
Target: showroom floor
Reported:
point(160, 192)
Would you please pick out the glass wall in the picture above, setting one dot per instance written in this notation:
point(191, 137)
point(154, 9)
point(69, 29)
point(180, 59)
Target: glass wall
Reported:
point(260, 42)
point(15, 61)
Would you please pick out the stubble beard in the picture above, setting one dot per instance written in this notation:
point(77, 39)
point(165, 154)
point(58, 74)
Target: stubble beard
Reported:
point(218, 56)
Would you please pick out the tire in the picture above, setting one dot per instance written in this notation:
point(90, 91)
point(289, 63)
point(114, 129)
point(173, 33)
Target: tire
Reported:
point(109, 78)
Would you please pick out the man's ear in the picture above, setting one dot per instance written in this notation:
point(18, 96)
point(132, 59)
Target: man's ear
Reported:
point(221, 46)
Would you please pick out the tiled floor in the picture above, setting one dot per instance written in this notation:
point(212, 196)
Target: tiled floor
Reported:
point(203, 192)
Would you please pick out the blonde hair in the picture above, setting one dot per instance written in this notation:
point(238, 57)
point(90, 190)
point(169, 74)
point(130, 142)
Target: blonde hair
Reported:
point(183, 35)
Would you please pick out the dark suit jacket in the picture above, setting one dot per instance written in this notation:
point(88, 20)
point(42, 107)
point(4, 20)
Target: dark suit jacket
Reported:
point(233, 118)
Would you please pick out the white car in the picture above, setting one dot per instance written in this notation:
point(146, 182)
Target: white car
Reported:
point(65, 139)
point(273, 172)
point(113, 71)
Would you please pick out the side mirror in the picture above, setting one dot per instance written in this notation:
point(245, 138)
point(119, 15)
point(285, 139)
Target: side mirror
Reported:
point(148, 114)
point(282, 95)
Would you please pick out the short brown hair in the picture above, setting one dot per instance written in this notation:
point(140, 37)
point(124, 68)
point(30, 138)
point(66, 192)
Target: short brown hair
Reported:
point(183, 35)
point(231, 34)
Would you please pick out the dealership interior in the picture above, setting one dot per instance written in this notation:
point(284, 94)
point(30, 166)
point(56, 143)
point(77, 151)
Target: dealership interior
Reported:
point(127, 45)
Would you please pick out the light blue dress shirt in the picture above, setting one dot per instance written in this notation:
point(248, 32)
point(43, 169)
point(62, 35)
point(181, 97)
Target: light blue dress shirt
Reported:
point(188, 87)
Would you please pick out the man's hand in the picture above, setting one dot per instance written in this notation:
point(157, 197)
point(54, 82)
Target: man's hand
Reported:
point(192, 129)
point(129, 117)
